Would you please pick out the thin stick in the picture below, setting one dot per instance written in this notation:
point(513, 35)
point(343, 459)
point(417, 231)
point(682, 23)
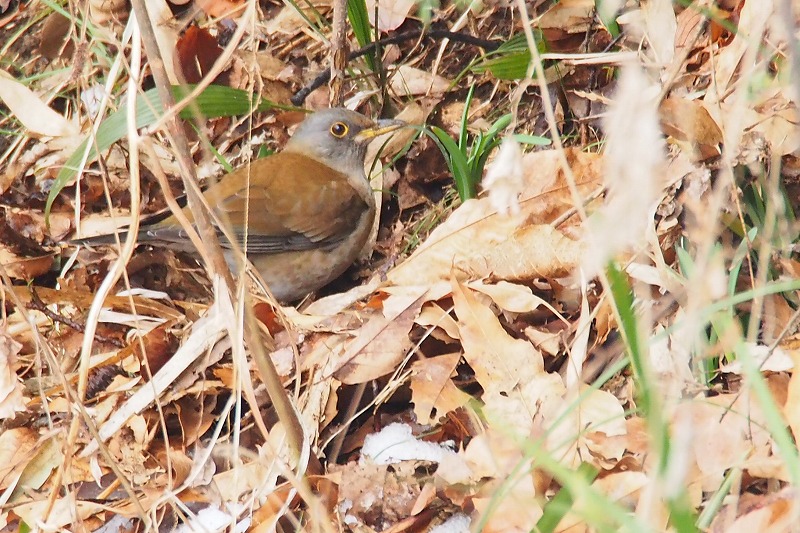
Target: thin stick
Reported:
point(325, 76)
point(339, 52)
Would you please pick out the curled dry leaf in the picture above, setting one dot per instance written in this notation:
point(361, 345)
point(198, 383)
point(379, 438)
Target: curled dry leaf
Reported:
point(688, 121)
point(510, 297)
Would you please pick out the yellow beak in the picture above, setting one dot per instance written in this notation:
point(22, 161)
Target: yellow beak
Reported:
point(380, 127)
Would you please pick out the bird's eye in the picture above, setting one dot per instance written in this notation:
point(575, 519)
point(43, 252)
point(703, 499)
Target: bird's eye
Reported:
point(339, 129)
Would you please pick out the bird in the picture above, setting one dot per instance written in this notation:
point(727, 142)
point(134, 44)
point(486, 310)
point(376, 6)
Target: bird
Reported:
point(302, 215)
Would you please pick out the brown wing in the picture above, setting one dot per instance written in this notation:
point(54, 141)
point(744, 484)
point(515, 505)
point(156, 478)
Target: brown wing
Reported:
point(294, 203)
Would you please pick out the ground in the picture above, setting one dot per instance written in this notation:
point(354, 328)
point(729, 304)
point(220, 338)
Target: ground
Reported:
point(577, 310)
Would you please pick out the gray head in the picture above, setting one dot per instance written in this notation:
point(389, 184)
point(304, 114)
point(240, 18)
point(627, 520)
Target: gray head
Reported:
point(338, 137)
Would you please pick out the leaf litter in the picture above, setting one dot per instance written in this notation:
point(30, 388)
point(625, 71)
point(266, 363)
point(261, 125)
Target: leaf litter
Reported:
point(490, 336)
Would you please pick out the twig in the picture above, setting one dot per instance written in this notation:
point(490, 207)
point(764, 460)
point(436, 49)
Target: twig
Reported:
point(324, 77)
point(37, 304)
point(339, 51)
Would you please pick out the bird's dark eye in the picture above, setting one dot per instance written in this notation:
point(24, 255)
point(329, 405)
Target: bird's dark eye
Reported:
point(339, 129)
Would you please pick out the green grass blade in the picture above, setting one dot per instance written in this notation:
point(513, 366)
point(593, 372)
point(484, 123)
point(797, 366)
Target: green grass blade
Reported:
point(214, 101)
point(463, 132)
point(358, 15)
point(457, 162)
point(607, 18)
point(511, 59)
point(531, 140)
point(559, 506)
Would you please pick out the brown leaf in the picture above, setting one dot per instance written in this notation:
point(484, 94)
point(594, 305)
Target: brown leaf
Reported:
point(381, 343)
point(511, 371)
point(16, 449)
point(53, 36)
point(689, 121)
point(197, 51)
point(221, 8)
point(433, 392)
point(482, 244)
point(769, 513)
point(12, 399)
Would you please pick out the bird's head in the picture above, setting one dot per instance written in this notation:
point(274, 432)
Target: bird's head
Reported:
point(338, 137)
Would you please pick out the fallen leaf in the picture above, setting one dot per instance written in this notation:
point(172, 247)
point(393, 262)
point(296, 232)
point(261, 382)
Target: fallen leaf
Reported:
point(480, 243)
point(391, 13)
point(12, 399)
point(197, 50)
point(571, 429)
point(411, 81)
point(432, 391)
point(768, 513)
point(36, 116)
point(688, 121)
point(381, 343)
point(16, 449)
point(66, 511)
point(511, 371)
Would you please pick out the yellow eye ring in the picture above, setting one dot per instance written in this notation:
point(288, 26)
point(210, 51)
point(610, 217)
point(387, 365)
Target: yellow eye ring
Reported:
point(339, 129)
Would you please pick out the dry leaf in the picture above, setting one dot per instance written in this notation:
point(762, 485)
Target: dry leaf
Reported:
point(381, 343)
point(17, 446)
point(480, 243)
point(770, 513)
point(411, 81)
point(12, 399)
point(433, 392)
point(571, 435)
point(391, 13)
point(728, 431)
point(688, 121)
point(432, 315)
point(511, 371)
point(574, 16)
point(65, 512)
point(36, 116)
